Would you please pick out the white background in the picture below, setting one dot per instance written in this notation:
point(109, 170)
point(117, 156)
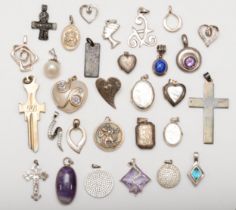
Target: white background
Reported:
point(217, 190)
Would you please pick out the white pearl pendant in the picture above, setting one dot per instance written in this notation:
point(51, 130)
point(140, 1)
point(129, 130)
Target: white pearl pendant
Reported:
point(52, 69)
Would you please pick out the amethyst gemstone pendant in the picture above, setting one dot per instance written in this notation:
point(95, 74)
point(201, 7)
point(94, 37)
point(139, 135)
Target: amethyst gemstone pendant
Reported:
point(66, 182)
point(188, 59)
point(135, 179)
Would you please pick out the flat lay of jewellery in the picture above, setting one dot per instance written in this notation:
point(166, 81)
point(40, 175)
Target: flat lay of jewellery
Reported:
point(92, 59)
point(208, 33)
point(43, 25)
point(160, 66)
point(35, 174)
point(142, 93)
point(174, 92)
point(52, 67)
point(145, 134)
point(142, 35)
point(98, 183)
point(66, 182)
point(135, 180)
point(188, 59)
point(111, 27)
point(196, 174)
point(55, 132)
point(173, 133)
point(167, 26)
point(23, 56)
point(127, 62)
point(76, 146)
point(108, 89)
point(89, 13)
point(32, 110)
point(168, 176)
point(108, 136)
point(70, 37)
point(208, 103)
point(70, 95)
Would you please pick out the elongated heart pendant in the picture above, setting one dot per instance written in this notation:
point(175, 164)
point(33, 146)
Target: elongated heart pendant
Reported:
point(108, 89)
point(127, 62)
point(174, 92)
point(208, 33)
point(88, 12)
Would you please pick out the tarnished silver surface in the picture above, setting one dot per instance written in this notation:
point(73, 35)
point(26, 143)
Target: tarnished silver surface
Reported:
point(127, 62)
point(208, 33)
point(176, 27)
point(92, 59)
point(88, 12)
point(208, 103)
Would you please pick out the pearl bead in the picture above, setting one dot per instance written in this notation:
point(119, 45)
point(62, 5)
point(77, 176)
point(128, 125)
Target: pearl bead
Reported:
point(52, 69)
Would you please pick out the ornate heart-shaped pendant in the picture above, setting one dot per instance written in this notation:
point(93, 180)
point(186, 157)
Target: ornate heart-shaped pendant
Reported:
point(208, 33)
point(89, 13)
point(174, 92)
point(127, 62)
point(108, 89)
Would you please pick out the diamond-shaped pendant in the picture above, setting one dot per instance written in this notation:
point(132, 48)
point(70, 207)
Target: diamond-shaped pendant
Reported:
point(196, 173)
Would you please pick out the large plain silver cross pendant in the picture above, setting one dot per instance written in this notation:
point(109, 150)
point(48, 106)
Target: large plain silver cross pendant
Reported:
point(208, 103)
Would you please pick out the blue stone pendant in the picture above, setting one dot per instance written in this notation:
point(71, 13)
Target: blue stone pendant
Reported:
point(196, 174)
point(160, 66)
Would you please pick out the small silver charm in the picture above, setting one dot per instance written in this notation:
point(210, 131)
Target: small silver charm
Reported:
point(35, 174)
point(92, 59)
point(173, 133)
point(188, 59)
point(109, 29)
point(196, 174)
point(99, 183)
point(23, 56)
point(175, 28)
point(55, 132)
point(52, 67)
point(142, 36)
point(127, 62)
point(77, 147)
point(142, 94)
point(208, 33)
point(168, 176)
point(88, 12)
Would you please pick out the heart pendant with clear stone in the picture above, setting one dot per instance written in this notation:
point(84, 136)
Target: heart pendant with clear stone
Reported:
point(208, 34)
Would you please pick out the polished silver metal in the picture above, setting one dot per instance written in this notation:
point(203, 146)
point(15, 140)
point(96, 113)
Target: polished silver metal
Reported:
point(76, 146)
point(208, 33)
point(127, 62)
point(142, 36)
point(89, 13)
point(35, 174)
point(209, 103)
point(168, 27)
point(142, 93)
point(173, 133)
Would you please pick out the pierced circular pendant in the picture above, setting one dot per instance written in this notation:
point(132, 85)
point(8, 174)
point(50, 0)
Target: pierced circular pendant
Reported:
point(188, 59)
point(142, 94)
point(108, 136)
point(168, 176)
point(173, 133)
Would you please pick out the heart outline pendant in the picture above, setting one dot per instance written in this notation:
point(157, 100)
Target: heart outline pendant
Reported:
point(108, 89)
point(176, 96)
point(127, 62)
point(208, 33)
point(90, 11)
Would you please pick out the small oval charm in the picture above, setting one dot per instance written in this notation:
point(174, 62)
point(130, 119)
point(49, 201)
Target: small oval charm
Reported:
point(66, 183)
point(188, 59)
point(175, 28)
point(160, 66)
point(142, 94)
point(70, 37)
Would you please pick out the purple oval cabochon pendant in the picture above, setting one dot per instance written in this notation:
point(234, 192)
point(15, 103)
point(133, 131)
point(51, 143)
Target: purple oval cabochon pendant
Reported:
point(66, 185)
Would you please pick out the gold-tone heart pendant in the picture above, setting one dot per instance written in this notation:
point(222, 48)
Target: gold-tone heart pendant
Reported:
point(208, 33)
point(127, 62)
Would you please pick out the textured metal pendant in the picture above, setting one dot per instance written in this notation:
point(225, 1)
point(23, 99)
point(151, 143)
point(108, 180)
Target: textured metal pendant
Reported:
point(70, 37)
point(92, 59)
point(99, 183)
point(135, 180)
point(145, 134)
point(109, 136)
point(173, 133)
point(142, 94)
point(208, 33)
point(174, 92)
point(108, 89)
point(168, 176)
point(127, 62)
point(188, 59)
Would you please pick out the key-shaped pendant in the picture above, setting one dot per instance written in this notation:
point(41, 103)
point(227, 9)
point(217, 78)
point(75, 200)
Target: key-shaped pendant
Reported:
point(32, 110)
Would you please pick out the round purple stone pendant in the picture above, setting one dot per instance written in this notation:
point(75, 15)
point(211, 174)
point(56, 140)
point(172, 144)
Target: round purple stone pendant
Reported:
point(188, 59)
point(66, 182)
